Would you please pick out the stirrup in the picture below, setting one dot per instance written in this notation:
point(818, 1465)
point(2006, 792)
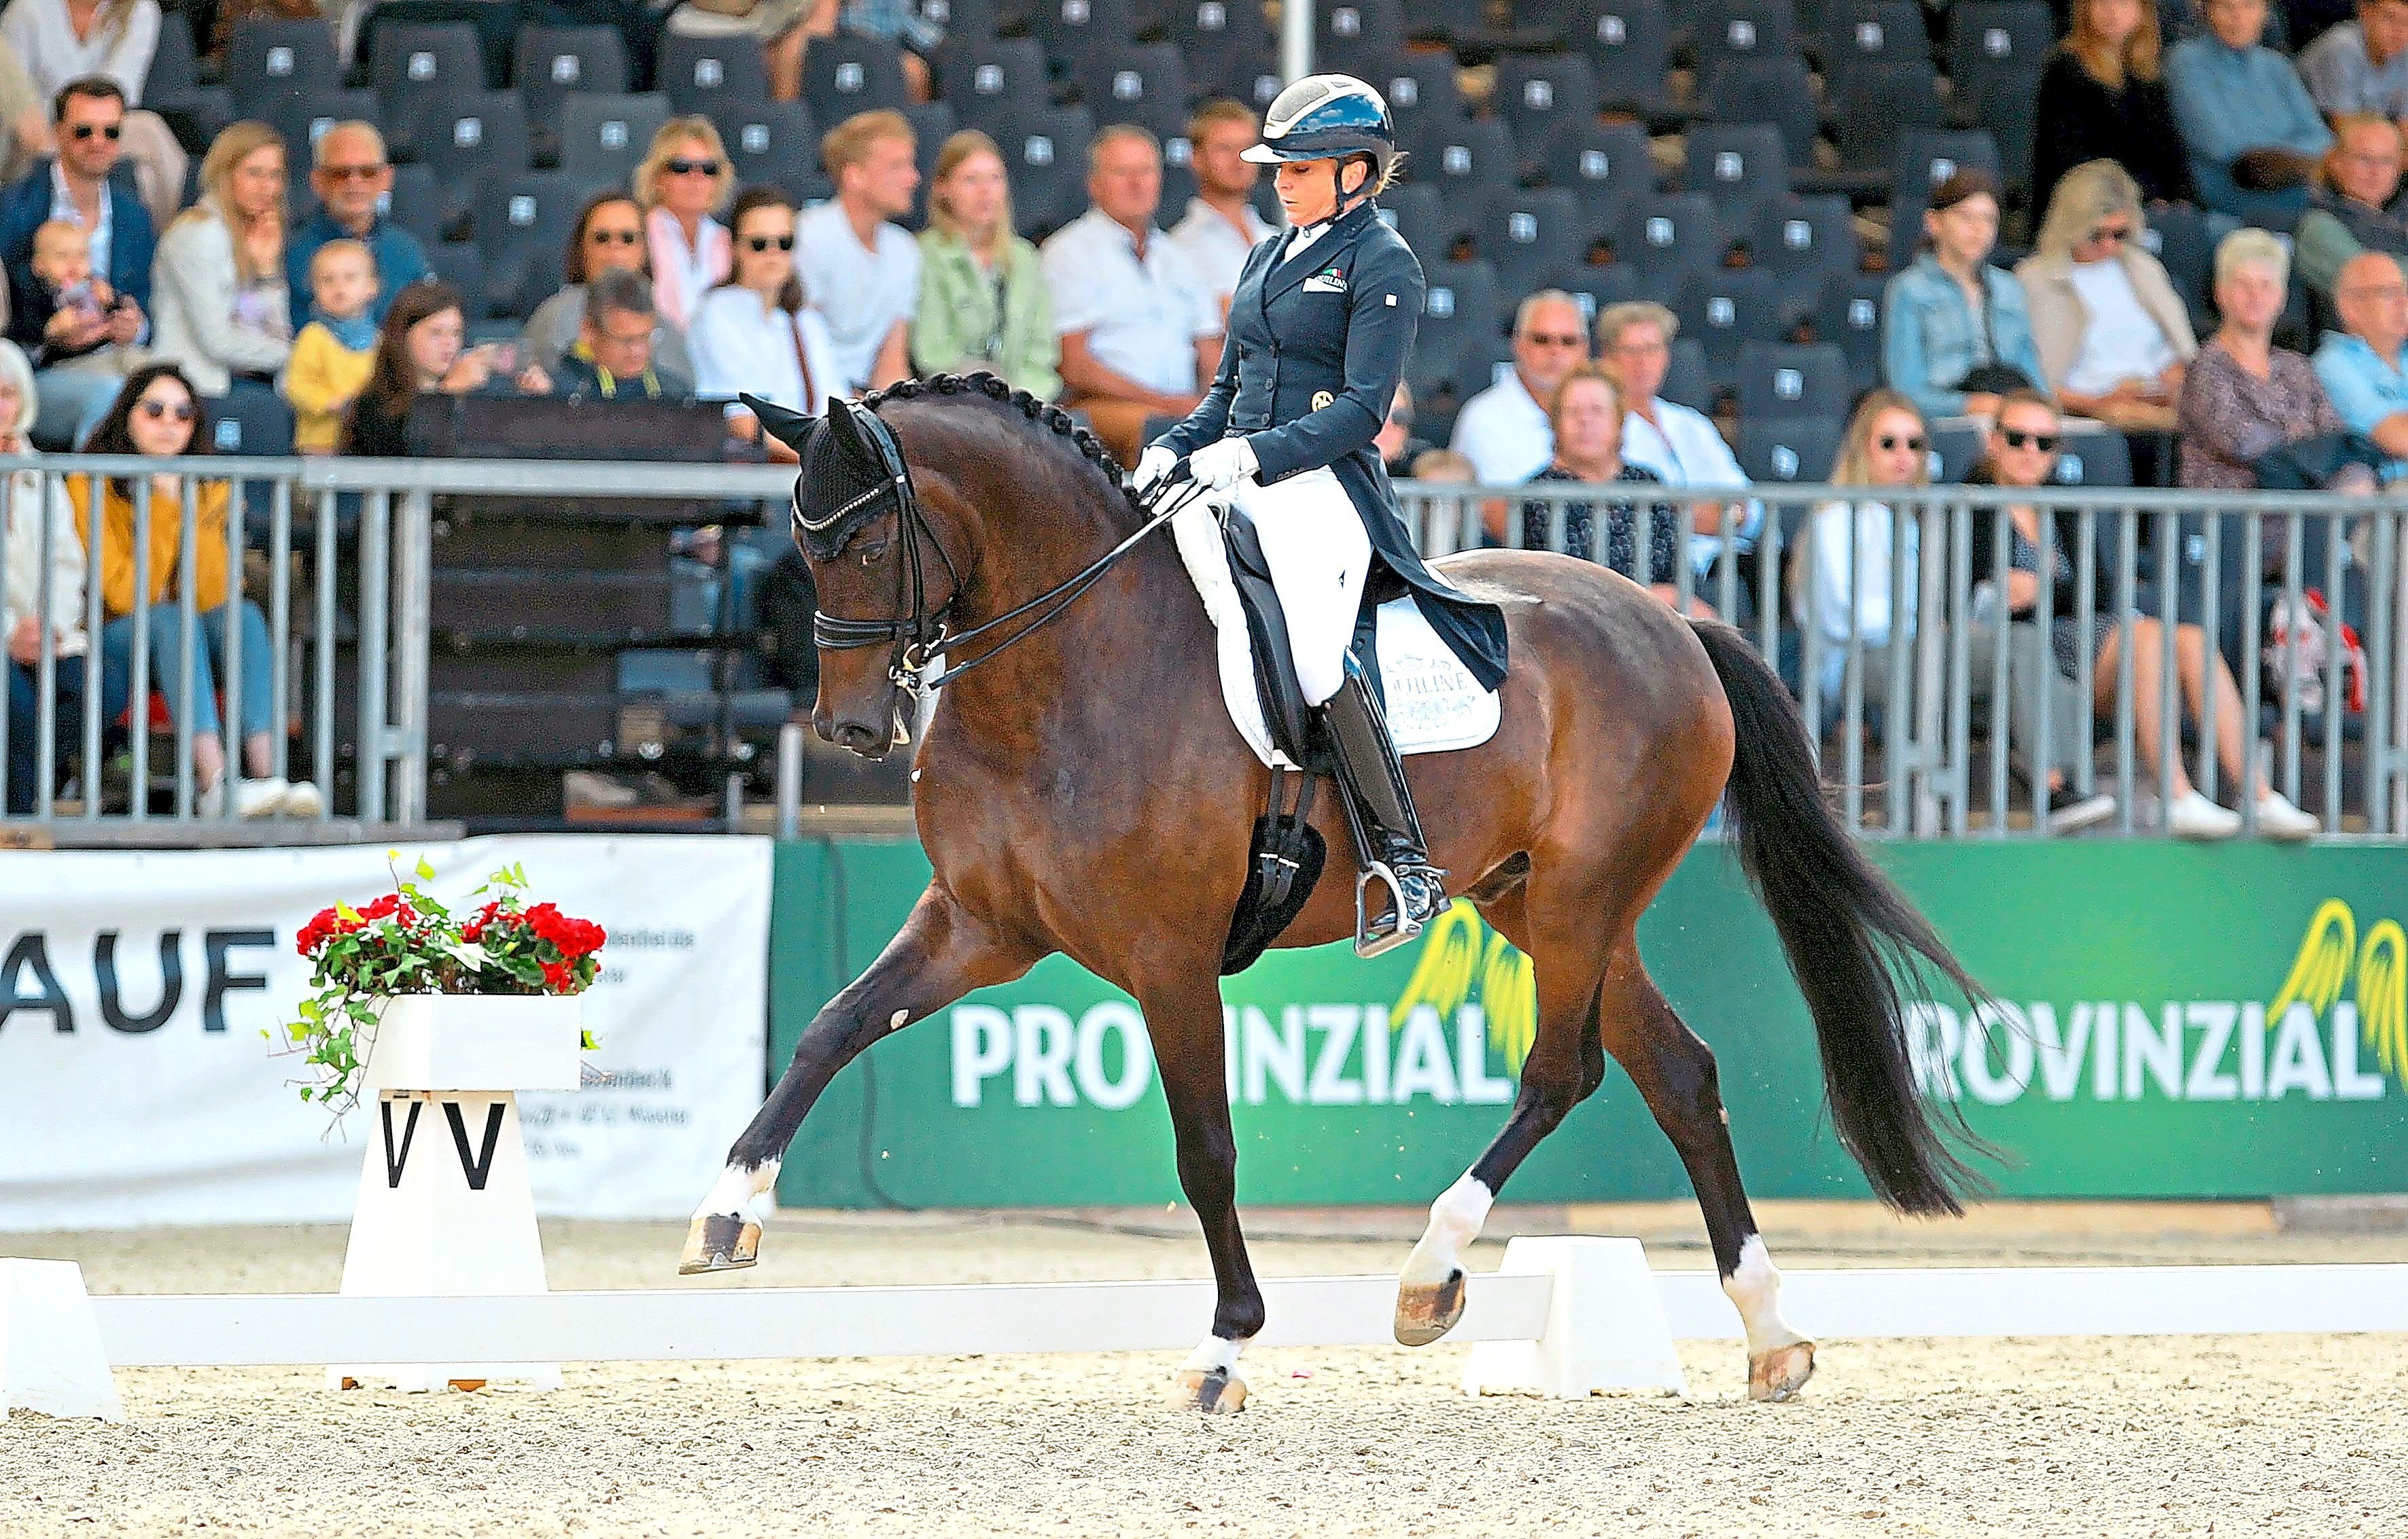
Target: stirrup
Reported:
point(1377, 937)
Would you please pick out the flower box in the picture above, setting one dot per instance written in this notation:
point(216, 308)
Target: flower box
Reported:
point(476, 1042)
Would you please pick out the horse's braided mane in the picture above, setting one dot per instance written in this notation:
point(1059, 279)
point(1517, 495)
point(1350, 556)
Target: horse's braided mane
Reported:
point(1053, 417)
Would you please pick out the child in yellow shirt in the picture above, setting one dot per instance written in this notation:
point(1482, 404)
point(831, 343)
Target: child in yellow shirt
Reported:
point(335, 352)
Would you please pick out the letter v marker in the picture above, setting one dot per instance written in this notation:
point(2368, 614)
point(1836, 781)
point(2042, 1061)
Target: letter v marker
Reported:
point(393, 1163)
point(477, 1169)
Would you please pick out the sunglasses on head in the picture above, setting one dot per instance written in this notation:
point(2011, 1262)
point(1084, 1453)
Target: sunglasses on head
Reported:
point(763, 242)
point(681, 166)
point(109, 131)
point(155, 408)
point(1891, 441)
point(625, 237)
point(2018, 438)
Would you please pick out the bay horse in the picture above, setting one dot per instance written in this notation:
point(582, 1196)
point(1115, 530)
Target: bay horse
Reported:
point(1084, 792)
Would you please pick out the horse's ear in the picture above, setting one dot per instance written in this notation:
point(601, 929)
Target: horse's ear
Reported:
point(788, 427)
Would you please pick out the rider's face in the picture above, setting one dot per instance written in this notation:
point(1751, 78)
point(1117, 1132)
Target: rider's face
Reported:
point(1308, 189)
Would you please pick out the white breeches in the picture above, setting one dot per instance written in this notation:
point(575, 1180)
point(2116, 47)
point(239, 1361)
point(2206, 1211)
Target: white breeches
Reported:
point(1319, 554)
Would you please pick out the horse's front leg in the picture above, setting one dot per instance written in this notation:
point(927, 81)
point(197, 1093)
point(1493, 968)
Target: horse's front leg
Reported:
point(1185, 1023)
point(941, 953)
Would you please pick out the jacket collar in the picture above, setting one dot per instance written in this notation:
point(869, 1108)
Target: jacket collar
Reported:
point(1294, 268)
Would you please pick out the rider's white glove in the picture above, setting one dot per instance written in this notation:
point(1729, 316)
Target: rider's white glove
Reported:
point(1152, 466)
point(1218, 467)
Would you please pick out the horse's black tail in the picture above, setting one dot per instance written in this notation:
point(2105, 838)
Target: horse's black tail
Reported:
point(1851, 937)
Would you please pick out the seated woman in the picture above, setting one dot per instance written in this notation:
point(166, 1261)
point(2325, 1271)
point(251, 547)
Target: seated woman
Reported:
point(2353, 206)
point(2024, 454)
point(1955, 330)
point(2102, 97)
point(2113, 339)
point(754, 333)
point(1839, 576)
point(685, 184)
point(26, 563)
point(610, 236)
point(420, 348)
point(1585, 414)
point(219, 308)
point(2244, 395)
point(983, 303)
point(159, 415)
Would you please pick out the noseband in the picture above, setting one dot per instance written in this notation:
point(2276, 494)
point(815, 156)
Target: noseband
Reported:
point(918, 633)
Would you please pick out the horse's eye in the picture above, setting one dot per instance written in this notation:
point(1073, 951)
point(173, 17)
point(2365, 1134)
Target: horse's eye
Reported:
point(871, 553)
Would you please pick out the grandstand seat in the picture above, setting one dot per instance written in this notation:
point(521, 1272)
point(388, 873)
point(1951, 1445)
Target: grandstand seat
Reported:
point(1459, 303)
point(932, 125)
point(2177, 236)
point(250, 422)
point(1045, 149)
point(1877, 104)
point(1725, 309)
point(1730, 30)
point(1471, 165)
point(1608, 164)
point(1144, 83)
point(1955, 449)
point(1777, 91)
point(524, 225)
point(1595, 286)
point(775, 144)
point(1202, 27)
point(1346, 33)
point(1791, 449)
point(1239, 62)
point(1532, 235)
point(1876, 30)
point(470, 140)
point(987, 80)
point(2097, 458)
point(1424, 94)
point(1415, 213)
point(1738, 165)
point(604, 134)
point(1535, 92)
point(554, 63)
point(1848, 315)
point(173, 88)
point(265, 58)
point(710, 75)
point(1928, 156)
point(1802, 240)
point(1686, 381)
point(459, 263)
point(1783, 380)
point(416, 65)
point(1068, 28)
point(1628, 44)
point(1997, 49)
point(1178, 177)
point(845, 74)
point(1669, 236)
point(963, 21)
point(302, 116)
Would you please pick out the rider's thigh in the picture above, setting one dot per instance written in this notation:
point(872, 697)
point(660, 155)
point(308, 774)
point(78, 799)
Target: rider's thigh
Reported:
point(1318, 552)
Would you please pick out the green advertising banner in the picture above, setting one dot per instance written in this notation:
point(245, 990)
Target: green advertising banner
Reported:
point(2172, 1021)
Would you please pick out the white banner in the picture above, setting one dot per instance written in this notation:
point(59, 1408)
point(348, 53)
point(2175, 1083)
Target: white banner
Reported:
point(135, 1086)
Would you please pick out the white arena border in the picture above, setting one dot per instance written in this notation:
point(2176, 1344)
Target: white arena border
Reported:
point(740, 1323)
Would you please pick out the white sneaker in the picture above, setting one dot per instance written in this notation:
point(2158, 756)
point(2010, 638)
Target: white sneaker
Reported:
point(257, 798)
point(302, 800)
point(2277, 818)
point(209, 801)
point(2193, 816)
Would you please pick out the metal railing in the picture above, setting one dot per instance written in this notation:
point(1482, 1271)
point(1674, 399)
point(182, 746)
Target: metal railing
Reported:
point(1928, 751)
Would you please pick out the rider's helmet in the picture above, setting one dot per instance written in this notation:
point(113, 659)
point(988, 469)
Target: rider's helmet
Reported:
point(1328, 117)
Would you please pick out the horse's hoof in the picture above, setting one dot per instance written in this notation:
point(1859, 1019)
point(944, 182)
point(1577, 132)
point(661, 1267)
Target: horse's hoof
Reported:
point(720, 1242)
point(1218, 1392)
point(1426, 1311)
point(1780, 1373)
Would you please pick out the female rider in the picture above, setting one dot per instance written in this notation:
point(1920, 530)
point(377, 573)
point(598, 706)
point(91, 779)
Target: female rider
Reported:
point(1319, 330)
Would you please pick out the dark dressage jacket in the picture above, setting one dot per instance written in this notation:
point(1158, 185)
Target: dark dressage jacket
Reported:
point(1316, 345)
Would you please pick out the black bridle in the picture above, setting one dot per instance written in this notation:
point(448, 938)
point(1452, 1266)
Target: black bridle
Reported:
point(917, 633)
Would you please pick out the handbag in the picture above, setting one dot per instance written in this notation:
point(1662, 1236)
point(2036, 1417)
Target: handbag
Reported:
point(2307, 465)
point(1993, 378)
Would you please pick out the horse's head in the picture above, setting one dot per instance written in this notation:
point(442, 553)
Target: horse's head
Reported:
point(885, 581)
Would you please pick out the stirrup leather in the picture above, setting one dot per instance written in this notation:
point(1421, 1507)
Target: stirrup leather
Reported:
point(1379, 813)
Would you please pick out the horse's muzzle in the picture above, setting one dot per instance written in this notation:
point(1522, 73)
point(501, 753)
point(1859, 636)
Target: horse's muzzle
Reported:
point(858, 738)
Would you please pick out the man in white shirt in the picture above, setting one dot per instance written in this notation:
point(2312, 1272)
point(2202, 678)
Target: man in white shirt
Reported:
point(1140, 330)
point(1220, 227)
point(860, 270)
point(1634, 344)
point(1503, 431)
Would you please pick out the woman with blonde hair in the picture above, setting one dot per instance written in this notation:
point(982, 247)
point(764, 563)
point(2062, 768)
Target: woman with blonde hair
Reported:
point(1839, 577)
point(683, 181)
point(2102, 95)
point(2114, 340)
point(219, 304)
point(2245, 398)
point(983, 303)
point(757, 332)
point(1585, 414)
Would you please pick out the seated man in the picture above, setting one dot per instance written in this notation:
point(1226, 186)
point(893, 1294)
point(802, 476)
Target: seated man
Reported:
point(2351, 209)
point(612, 360)
point(2360, 365)
point(352, 177)
point(2252, 132)
point(1503, 430)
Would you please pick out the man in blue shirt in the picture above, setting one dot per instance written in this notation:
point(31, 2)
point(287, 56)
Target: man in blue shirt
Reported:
point(2359, 366)
point(351, 176)
point(2244, 117)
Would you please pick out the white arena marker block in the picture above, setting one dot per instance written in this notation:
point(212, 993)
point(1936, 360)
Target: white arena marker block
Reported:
point(50, 1356)
point(1605, 1325)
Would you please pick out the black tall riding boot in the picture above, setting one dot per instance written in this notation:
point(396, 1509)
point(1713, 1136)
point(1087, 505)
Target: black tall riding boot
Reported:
point(1387, 832)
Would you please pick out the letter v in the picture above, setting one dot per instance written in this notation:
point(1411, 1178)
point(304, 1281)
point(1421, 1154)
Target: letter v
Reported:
point(477, 1169)
point(393, 1162)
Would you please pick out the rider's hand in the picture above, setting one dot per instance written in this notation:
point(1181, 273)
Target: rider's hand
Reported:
point(1152, 467)
point(1218, 467)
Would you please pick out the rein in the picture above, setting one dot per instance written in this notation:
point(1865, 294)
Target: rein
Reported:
point(917, 633)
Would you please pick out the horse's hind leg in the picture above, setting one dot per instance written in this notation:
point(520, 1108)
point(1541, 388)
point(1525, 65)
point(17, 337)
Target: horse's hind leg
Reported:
point(939, 955)
point(1676, 1072)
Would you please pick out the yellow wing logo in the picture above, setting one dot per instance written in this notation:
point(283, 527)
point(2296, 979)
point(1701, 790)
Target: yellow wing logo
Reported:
point(1459, 954)
point(2383, 996)
point(2322, 967)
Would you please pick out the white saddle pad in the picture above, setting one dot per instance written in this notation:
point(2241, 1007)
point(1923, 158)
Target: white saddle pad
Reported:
point(1434, 704)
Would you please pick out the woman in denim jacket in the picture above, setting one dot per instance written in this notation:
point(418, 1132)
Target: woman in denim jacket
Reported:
point(1951, 323)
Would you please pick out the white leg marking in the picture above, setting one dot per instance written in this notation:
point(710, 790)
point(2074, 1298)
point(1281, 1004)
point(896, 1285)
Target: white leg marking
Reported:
point(1456, 1220)
point(750, 1194)
point(895, 1022)
point(1215, 1354)
point(1755, 1287)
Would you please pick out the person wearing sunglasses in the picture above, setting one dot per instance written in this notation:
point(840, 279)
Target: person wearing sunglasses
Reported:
point(683, 181)
point(160, 415)
point(983, 304)
point(75, 187)
point(1503, 429)
point(1840, 571)
point(608, 238)
point(757, 331)
point(2113, 337)
point(349, 174)
point(2102, 95)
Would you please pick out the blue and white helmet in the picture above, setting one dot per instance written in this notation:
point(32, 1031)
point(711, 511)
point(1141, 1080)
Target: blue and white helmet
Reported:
point(1328, 117)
